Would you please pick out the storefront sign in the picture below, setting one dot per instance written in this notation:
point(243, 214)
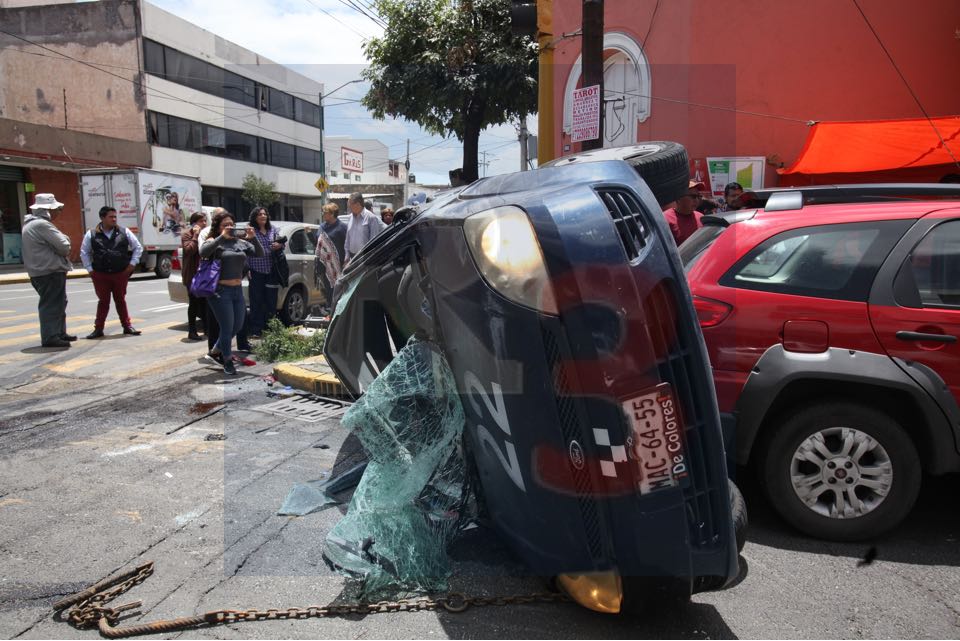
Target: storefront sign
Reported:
point(586, 114)
point(746, 170)
point(351, 160)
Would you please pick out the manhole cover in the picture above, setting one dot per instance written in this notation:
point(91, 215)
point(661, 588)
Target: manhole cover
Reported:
point(306, 407)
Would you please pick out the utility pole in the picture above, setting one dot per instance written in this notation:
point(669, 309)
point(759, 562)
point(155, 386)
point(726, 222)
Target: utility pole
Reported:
point(484, 163)
point(523, 143)
point(592, 56)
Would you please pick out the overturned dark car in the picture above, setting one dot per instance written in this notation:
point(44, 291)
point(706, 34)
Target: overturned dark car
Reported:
point(557, 301)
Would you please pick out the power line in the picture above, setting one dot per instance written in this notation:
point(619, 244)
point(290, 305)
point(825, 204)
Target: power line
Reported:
point(906, 84)
point(705, 106)
point(352, 5)
point(338, 20)
point(653, 17)
point(143, 86)
point(60, 56)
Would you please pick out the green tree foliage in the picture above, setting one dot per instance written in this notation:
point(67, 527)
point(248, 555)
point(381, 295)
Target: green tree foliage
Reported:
point(451, 66)
point(258, 192)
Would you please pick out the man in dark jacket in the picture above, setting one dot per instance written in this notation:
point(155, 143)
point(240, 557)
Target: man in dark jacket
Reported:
point(189, 241)
point(110, 253)
point(334, 228)
point(45, 252)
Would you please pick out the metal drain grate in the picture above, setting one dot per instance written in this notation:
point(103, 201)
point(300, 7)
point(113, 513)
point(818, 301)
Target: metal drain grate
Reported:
point(306, 407)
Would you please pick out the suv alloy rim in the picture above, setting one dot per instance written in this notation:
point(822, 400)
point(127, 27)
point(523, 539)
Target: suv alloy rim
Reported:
point(841, 472)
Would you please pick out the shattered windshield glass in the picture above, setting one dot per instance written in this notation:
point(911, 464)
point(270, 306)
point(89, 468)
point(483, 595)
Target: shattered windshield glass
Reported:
point(411, 499)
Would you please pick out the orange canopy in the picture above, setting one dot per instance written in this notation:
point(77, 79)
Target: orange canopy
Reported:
point(878, 145)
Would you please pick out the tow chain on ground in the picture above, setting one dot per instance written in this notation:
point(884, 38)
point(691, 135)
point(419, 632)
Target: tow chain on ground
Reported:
point(90, 609)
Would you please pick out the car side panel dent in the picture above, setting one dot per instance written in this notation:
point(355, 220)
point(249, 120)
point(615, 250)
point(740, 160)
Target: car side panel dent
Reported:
point(778, 368)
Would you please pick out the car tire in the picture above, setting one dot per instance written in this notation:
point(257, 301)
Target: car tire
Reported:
point(295, 307)
point(164, 265)
point(738, 508)
point(665, 169)
point(840, 441)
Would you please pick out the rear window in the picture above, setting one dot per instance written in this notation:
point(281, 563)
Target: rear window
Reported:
point(827, 261)
point(697, 244)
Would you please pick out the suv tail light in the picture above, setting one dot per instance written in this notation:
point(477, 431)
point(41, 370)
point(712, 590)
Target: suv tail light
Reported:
point(710, 312)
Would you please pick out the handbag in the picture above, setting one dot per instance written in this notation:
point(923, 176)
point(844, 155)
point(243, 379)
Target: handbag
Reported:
point(204, 283)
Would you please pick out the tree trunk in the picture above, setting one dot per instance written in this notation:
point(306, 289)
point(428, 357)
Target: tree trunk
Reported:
point(471, 139)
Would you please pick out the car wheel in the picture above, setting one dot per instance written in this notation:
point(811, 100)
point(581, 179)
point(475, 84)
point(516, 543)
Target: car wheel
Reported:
point(841, 471)
point(664, 167)
point(738, 507)
point(294, 306)
point(164, 266)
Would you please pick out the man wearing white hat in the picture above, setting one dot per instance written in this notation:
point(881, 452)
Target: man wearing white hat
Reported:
point(45, 255)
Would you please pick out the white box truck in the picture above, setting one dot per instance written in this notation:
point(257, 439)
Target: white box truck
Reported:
point(154, 205)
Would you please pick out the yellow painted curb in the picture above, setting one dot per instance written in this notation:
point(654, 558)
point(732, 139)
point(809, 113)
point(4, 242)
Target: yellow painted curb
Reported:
point(307, 380)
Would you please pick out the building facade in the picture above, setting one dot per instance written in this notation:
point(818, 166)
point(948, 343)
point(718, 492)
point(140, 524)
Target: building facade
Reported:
point(122, 83)
point(748, 78)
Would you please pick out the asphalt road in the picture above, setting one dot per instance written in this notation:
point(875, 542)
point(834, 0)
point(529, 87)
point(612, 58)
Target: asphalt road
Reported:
point(104, 464)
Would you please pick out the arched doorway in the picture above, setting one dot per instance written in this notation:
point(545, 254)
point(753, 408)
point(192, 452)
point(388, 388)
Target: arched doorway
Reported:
point(626, 78)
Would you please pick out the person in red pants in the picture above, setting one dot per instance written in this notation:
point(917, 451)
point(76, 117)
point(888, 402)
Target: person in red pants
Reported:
point(110, 253)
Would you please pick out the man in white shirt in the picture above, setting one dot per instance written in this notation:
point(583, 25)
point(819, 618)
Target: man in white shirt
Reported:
point(110, 253)
point(363, 226)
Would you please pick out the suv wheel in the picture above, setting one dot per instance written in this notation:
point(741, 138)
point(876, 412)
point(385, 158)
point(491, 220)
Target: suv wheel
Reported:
point(841, 471)
point(294, 306)
point(665, 169)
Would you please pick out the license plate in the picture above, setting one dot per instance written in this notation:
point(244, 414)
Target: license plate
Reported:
point(656, 439)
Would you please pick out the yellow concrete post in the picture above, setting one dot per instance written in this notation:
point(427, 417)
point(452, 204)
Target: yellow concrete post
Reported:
point(545, 119)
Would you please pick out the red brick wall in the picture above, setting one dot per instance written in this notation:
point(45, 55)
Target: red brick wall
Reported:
point(65, 185)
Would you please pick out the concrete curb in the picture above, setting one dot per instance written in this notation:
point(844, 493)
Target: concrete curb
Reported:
point(13, 279)
point(308, 380)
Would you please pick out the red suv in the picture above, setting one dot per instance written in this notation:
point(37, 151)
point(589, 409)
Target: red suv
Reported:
point(831, 318)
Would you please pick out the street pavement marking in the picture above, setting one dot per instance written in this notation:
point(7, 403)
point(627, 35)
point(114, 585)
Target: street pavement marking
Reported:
point(34, 325)
point(164, 308)
point(35, 336)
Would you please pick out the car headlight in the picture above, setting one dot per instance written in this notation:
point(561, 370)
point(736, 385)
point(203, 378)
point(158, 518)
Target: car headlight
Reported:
point(505, 247)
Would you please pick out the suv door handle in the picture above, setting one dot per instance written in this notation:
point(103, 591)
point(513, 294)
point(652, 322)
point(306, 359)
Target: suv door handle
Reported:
point(921, 336)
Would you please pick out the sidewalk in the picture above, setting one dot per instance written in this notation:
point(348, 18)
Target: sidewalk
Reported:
point(311, 375)
point(13, 277)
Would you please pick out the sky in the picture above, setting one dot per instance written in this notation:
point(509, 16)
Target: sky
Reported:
point(323, 39)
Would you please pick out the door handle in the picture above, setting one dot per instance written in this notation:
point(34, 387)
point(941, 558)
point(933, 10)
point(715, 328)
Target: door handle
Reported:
point(921, 336)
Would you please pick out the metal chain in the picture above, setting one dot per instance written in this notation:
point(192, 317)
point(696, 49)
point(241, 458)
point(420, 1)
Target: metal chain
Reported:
point(90, 610)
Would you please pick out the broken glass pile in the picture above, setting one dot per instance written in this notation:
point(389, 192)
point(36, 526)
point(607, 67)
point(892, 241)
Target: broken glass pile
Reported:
point(411, 499)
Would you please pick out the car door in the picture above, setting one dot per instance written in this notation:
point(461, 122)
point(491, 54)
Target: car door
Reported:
point(300, 256)
point(915, 304)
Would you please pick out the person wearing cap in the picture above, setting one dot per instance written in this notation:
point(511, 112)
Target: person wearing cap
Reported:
point(110, 253)
point(45, 256)
point(683, 218)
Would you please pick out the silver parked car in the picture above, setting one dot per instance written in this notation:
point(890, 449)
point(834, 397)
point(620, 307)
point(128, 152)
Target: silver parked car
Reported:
point(304, 289)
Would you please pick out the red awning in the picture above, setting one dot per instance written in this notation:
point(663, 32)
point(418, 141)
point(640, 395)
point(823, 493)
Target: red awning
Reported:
point(878, 145)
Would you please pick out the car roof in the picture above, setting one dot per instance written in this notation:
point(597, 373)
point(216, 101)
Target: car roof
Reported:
point(852, 212)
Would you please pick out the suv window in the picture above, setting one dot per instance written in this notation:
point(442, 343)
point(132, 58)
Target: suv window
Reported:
point(827, 261)
point(930, 277)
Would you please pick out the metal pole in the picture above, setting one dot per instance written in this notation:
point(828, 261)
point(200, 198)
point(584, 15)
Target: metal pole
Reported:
point(523, 143)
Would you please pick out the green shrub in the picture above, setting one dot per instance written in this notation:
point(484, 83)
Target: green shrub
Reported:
point(281, 343)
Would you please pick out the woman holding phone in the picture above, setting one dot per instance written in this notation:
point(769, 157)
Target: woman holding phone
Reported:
point(231, 248)
point(264, 286)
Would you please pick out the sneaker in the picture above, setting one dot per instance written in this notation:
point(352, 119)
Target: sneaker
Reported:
point(246, 362)
point(229, 367)
point(215, 357)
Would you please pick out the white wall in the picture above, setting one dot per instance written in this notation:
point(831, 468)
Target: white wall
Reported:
point(375, 161)
point(187, 37)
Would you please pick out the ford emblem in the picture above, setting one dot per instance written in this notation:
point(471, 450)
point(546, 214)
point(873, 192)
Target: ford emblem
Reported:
point(576, 455)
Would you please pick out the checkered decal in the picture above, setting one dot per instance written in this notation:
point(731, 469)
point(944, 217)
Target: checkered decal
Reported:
point(618, 453)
